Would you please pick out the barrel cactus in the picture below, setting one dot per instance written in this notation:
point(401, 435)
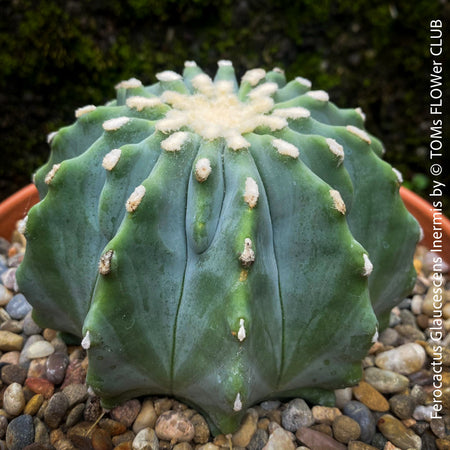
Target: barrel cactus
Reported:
point(218, 242)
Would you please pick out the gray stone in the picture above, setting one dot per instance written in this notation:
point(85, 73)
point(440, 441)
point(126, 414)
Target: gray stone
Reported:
point(259, 440)
point(402, 405)
point(18, 307)
point(75, 393)
point(362, 414)
point(30, 327)
point(280, 439)
point(20, 432)
point(56, 409)
point(146, 439)
point(385, 381)
point(297, 414)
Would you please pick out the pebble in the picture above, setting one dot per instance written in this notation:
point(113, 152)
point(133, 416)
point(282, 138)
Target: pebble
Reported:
point(201, 434)
point(171, 425)
point(405, 359)
point(259, 440)
point(146, 417)
point(324, 414)
point(75, 393)
point(20, 433)
point(385, 381)
point(13, 399)
point(146, 439)
point(55, 367)
point(424, 413)
point(280, 439)
point(40, 386)
point(369, 396)
point(101, 440)
point(243, 435)
point(75, 415)
point(10, 342)
point(345, 429)
point(402, 405)
point(343, 396)
point(13, 373)
point(33, 405)
point(18, 307)
point(75, 373)
point(39, 349)
point(127, 412)
point(56, 409)
point(9, 279)
point(361, 414)
point(113, 427)
point(394, 430)
point(3, 426)
point(317, 440)
point(297, 414)
point(5, 295)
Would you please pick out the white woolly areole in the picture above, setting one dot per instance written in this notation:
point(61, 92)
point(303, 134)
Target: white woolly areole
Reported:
point(337, 200)
point(190, 64)
point(368, 266)
point(278, 70)
point(202, 169)
point(319, 95)
point(51, 136)
point(138, 102)
point(398, 174)
point(135, 199)
point(115, 124)
point(361, 113)
point(111, 159)
point(360, 133)
point(237, 406)
point(336, 149)
point(50, 175)
point(285, 148)
point(304, 81)
point(254, 76)
point(241, 333)
point(104, 265)
point(224, 63)
point(375, 336)
point(22, 225)
point(214, 111)
point(132, 83)
point(296, 112)
point(251, 193)
point(248, 255)
point(84, 110)
point(168, 75)
point(175, 141)
point(86, 342)
point(263, 90)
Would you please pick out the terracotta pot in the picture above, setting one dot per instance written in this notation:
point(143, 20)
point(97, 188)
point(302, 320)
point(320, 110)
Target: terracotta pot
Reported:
point(16, 207)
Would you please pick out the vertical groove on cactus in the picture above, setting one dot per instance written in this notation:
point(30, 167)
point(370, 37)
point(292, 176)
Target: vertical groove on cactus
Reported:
point(216, 241)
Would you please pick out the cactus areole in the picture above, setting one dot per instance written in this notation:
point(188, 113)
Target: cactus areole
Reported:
point(218, 242)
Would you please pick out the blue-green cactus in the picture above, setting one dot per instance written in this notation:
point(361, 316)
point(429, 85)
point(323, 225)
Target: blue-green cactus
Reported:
point(215, 241)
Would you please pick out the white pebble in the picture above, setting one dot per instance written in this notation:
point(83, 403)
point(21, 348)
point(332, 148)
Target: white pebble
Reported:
point(40, 349)
point(13, 399)
point(406, 359)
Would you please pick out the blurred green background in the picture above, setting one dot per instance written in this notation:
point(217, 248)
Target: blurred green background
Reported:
point(56, 56)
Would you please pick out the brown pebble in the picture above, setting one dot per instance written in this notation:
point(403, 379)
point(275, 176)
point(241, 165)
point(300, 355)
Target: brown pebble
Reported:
point(323, 428)
point(56, 435)
point(113, 427)
point(201, 428)
point(345, 429)
point(75, 374)
point(127, 412)
point(443, 444)
point(124, 446)
point(162, 405)
point(123, 438)
point(13, 373)
point(49, 334)
point(325, 414)
point(172, 426)
point(244, 434)
point(315, 439)
point(37, 368)
point(358, 445)
point(394, 430)
point(33, 405)
point(101, 440)
point(64, 444)
point(93, 409)
point(370, 397)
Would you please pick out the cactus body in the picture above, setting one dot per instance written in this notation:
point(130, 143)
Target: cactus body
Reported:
point(215, 241)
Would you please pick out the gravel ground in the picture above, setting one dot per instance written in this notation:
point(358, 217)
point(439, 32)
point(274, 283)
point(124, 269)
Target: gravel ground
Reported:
point(45, 403)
